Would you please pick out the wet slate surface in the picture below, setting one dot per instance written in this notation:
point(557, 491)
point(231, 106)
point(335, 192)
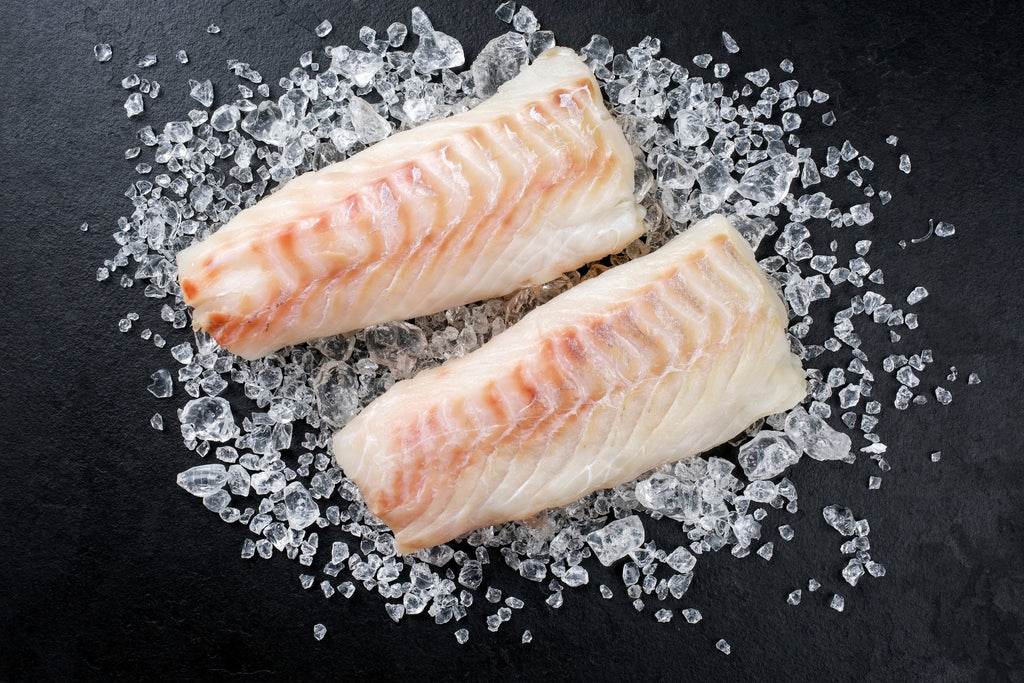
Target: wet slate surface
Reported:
point(109, 570)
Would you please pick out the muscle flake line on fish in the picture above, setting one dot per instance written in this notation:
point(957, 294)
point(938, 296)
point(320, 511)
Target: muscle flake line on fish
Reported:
point(652, 361)
point(534, 182)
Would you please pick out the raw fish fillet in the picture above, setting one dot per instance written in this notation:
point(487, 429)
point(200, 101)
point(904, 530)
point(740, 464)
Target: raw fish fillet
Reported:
point(534, 182)
point(651, 362)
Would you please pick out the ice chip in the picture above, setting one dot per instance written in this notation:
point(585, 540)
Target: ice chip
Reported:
point(840, 519)
point(729, 43)
point(525, 21)
point(575, 576)
point(768, 182)
point(853, 571)
point(323, 28)
point(225, 118)
point(816, 438)
point(436, 50)
point(690, 128)
point(162, 386)
point(534, 570)
point(916, 295)
point(133, 105)
point(681, 560)
point(499, 61)
point(357, 65)
point(203, 480)
point(761, 491)
point(336, 390)
point(102, 52)
point(767, 455)
point(616, 539)
point(211, 418)
point(217, 501)
point(201, 92)
point(300, 508)
point(598, 50)
point(369, 126)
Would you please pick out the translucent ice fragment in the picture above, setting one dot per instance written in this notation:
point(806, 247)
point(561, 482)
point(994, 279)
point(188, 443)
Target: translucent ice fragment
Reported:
point(211, 418)
point(162, 386)
point(203, 480)
point(816, 438)
point(323, 28)
point(840, 519)
point(767, 455)
point(499, 61)
point(616, 539)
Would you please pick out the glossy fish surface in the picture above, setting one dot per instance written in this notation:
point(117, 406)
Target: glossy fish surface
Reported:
point(651, 362)
point(531, 183)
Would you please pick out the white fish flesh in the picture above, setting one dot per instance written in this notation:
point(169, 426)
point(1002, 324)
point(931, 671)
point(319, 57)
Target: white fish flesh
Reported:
point(651, 362)
point(532, 183)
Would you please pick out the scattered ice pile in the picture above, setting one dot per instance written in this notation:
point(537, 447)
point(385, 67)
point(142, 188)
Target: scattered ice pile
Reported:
point(707, 140)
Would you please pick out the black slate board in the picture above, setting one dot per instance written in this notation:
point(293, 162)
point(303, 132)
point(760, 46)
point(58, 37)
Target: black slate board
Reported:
point(109, 570)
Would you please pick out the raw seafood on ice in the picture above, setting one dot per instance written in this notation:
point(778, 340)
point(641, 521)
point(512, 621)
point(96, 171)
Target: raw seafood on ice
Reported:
point(652, 361)
point(534, 182)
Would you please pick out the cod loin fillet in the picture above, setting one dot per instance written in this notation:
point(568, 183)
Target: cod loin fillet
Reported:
point(651, 362)
point(533, 182)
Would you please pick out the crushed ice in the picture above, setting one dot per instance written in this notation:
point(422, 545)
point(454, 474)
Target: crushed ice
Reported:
point(704, 145)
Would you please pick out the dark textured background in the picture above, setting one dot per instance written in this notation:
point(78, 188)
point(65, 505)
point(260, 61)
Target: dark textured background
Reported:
point(109, 570)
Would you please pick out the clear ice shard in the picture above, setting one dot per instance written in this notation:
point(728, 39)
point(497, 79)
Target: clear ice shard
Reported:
point(323, 28)
point(359, 66)
point(133, 105)
point(203, 480)
point(300, 508)
point(336, 389)
point(395, 345)
point(690, 128)
point(730, 44)
point(575, 576)
point(681, 560)
point(103, 52)
point(616, 539)
point(767, 455)
point(499, 61)
point(225, 118)
point(768, 182)
point(436, 50)
point(840, 519)
point(201, 92)
point(211, 418)
point(370, 127)
point(816, 438)
point(162, 385)
point(916, 295)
